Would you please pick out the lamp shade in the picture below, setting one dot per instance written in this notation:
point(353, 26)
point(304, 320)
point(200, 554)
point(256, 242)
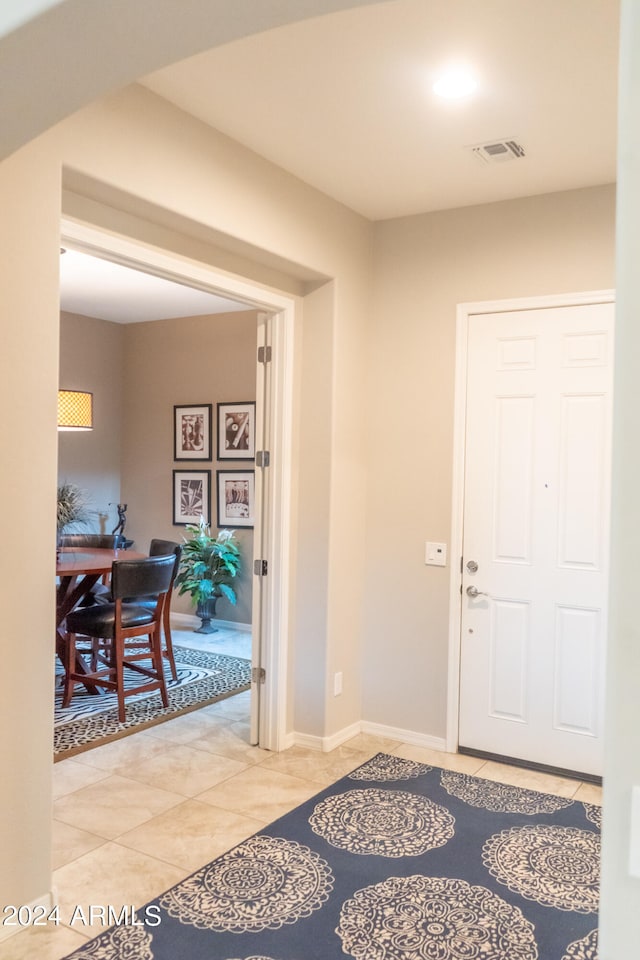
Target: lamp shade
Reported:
point(75, 410)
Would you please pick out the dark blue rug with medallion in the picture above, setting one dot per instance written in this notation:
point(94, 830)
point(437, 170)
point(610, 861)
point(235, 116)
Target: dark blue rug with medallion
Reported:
point(397, 861)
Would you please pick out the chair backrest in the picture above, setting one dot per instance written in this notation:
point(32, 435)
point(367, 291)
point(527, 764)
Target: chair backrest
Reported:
point(98, 541)
point(141, 578)
point(161, 548)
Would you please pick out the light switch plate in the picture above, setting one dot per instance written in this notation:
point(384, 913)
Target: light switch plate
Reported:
point(435, 554)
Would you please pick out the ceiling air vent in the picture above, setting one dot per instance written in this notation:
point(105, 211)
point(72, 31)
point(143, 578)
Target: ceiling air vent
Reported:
point(498, 151)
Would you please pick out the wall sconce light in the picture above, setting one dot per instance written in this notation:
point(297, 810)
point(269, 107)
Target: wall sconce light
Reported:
point(75, 410)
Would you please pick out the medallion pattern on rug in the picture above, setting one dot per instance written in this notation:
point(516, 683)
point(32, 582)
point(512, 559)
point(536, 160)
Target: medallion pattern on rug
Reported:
point(584, 949)
point(594, 814)
point(132, 943)
point(500, 797)
point(555, 866)
point(385, 767)
point(262, 884)
point(433, 918)
point(382, 823)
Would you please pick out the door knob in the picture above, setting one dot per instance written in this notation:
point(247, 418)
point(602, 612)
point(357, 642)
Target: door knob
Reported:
point(474, 592)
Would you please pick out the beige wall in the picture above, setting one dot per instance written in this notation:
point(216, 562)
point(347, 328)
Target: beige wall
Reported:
point(424, 267)
point(91, 356)
point(29, 255)
point(313, 489)
point(210, 359)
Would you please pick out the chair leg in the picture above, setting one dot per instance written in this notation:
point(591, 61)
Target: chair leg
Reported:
point(95, 651)
point(168, 644)
point(155, 642)
point(118, 666)
point(69, 666)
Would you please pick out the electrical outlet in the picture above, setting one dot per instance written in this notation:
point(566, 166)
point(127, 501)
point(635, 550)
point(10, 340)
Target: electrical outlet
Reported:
point(435, 554)
point(337, 684)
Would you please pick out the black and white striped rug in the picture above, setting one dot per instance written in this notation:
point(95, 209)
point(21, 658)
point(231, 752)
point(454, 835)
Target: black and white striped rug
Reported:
point(90, 720)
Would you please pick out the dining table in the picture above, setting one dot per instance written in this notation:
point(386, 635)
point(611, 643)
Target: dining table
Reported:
point(78, 569)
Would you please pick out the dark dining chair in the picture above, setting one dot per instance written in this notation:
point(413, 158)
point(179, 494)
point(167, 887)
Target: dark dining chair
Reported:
point(161, 548)
point(92, 541)
point(95, 541)
point(117, 623)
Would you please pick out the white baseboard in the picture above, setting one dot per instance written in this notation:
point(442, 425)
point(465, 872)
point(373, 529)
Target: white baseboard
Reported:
point(407, 736)
point(326, 744)
point(337, 739)
point(304, 740)
point(188, 621)
point(44, 903)
point(289, 740)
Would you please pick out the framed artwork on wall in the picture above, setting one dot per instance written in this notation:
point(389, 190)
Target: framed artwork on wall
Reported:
point(191, 496)
point(237, 431)
point(236, 498)
point(192, 432)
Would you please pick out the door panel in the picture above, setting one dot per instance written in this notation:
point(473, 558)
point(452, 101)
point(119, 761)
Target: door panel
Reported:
point(508, 652)
point(536, 517)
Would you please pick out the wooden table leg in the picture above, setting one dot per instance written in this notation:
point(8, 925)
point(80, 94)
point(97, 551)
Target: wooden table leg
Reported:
point(70, 592)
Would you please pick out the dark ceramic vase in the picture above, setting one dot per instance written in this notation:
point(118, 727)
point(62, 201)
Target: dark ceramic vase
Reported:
point(206, 610)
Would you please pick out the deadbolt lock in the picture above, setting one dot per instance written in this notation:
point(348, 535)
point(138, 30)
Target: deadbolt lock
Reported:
point(472, 566)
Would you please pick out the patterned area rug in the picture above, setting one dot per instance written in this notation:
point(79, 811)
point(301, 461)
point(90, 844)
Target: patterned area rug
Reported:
point(92, 720)
point(397, 861)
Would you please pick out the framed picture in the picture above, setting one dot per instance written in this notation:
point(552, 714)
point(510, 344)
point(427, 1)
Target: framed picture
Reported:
point(237, 431)
point(192, 432)
point(236, 498)
point(191, 496)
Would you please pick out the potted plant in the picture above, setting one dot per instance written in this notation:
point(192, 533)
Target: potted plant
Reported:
point(73, 507)
point(207, 567)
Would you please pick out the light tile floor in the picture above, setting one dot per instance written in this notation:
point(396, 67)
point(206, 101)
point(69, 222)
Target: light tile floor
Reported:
point(133, 817)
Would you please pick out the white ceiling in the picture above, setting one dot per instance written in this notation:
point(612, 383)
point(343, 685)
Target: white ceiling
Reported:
point(344, 102)
point(93, 287)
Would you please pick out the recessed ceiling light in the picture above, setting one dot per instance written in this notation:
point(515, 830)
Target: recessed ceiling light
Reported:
point(455, 82)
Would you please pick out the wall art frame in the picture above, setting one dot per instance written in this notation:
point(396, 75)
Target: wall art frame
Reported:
point(236, 498)
point(192, 431)
point(191, 496)
point(237, 431)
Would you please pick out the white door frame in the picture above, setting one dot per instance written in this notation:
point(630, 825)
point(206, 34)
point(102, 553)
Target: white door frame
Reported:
point(277, 522)
point(465, 311)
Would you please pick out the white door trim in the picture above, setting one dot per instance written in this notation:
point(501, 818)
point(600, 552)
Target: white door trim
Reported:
point(464, 313)
point(276, 626)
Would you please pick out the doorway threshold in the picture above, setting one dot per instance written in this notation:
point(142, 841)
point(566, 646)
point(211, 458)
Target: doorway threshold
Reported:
point(530, 765)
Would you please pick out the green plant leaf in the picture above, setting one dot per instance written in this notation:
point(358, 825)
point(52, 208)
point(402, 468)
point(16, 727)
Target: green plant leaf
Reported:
point(227, 592)
point(208, 563)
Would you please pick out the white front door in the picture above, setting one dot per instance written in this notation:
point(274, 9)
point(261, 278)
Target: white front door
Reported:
point(536, 521)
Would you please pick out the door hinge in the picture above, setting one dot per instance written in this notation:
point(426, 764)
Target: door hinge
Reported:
point(264, 354)
point(260, 568)
point(263, 458)
point(258, 675)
